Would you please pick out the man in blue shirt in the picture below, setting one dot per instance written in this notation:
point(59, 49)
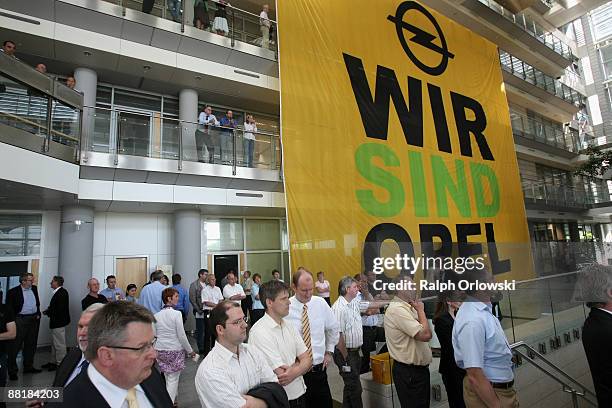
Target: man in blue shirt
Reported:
point(183, 303)
point(112, 292)
point(151, 294)
point(481, 348)
point(228, 125)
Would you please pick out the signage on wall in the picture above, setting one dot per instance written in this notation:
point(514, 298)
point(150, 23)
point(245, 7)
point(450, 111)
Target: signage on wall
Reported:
point(397, 142)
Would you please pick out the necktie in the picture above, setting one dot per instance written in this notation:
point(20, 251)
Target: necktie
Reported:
point(84, 366)
point(130, 398)
point(306, 330)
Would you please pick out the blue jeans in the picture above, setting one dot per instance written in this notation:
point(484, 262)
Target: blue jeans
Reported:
point(249, 145)
point(175, 9)
point(200, 327)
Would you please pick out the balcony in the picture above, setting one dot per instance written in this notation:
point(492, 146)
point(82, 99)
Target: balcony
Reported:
point(37, 112)
point(544, 196)
point(532, 81)
point(151, 148)
point(533, 30)
point(553, 139)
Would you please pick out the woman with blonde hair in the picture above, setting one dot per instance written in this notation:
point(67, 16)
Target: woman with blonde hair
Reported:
point(172, 343)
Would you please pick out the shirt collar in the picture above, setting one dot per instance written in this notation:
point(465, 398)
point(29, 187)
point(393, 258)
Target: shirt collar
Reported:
point(115, 396)
point(56, 289)
point(478, 304)
point(270, 322)
point(227, 355)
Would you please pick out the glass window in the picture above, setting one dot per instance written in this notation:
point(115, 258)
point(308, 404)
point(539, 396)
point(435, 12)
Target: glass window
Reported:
point(137, 100)
point(264, 263)
point(284, 235)
point(103, 95)
point(224, 235)
point(601, 19)
point(171, 106)
point(605, 54)
point(20, 234)
point(262, 235)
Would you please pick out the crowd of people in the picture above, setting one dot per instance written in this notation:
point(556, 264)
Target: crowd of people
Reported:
point(197, 14)
point(134, 348)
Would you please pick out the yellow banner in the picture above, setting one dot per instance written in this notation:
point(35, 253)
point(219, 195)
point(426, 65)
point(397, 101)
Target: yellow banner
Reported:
point(395, 129)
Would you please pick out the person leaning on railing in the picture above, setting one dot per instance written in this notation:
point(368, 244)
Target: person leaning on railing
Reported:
point(249, 140)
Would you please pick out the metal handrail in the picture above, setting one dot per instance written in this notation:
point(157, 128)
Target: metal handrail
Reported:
point(583, 392)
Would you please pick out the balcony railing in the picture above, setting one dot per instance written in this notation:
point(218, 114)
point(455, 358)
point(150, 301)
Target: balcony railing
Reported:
point(37, 112)
point(527, 24)
point(534, 129)
point(118, 132)
point(537, 191)
point(232, 22)
point(526, 72)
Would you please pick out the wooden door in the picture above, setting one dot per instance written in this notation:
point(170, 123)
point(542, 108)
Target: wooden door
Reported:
point(131, 270)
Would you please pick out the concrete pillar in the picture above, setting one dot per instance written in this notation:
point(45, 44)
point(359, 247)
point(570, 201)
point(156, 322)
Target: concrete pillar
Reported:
point(187, 244)
point(87, 83)
point(188, 112)
point(76, 259)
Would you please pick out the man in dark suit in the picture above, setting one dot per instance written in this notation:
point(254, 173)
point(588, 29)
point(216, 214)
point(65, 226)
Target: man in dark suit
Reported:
point(120, 341)
point(59, 317)
point(23, 301)
point(594, 286)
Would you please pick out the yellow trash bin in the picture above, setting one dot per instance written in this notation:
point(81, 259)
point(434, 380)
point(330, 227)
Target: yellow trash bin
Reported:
point(381, 368)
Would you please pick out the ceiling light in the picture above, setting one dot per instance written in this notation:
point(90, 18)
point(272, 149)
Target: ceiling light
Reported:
point(87, 53)
point(198, 77)
point(146, 67)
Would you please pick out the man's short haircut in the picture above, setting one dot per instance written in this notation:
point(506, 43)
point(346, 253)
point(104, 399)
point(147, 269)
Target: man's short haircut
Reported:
point(90, 280)
point(594, 282)
point(202, 272)
point(298, 274)
point(472, 275)
point(107, 327)
point(24, 277)
point(93, 308)
point(275, 271)
point(110, 277)
point(59, 280)
point(344, 284)
point(248, 273)
point(218, 315)
point(230, 272)
point(256, 276)
point(8, 41)
point(157, 275)
point(176, 279)
point(168, 293)
point(271, 290)
point(319, 273)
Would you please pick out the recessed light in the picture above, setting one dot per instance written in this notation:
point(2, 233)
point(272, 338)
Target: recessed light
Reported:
point(146, 67)
point(198, 77)
point(87, 53)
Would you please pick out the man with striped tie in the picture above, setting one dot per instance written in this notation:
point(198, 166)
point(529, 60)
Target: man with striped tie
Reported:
point(281, 344)
point(314, 320)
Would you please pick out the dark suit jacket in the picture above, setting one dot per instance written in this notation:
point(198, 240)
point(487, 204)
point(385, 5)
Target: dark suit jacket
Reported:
point(82, 387)
point(596, 339)
point(443, 326)
point(66, 367)
point(58, 311)
point(14, 298)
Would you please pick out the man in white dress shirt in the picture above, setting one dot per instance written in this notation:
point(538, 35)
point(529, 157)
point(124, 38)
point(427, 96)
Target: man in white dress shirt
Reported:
point(280, 342)
point(233, 291)
point(232, 368)
point(314, 320)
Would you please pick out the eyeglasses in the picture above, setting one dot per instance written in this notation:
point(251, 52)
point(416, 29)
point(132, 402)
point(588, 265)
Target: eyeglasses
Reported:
point(142, 349)
point(238, 322)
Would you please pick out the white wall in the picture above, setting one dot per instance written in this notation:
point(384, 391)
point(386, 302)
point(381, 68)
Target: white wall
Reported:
point(130, 234)
point(48, 268)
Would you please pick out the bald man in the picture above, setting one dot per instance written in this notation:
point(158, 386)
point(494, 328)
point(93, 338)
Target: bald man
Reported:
point(93, 296)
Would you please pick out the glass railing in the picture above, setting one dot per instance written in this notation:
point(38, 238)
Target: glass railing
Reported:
point(536, 77)
point(118, 132)
point(34, 115)
point(213, 16)
point(537, 191)
point(536, 130)
point(530, 26)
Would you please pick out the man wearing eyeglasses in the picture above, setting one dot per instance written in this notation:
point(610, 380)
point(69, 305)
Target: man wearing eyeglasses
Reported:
point(121, 356)
point(281, 343)
point(232, 368)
